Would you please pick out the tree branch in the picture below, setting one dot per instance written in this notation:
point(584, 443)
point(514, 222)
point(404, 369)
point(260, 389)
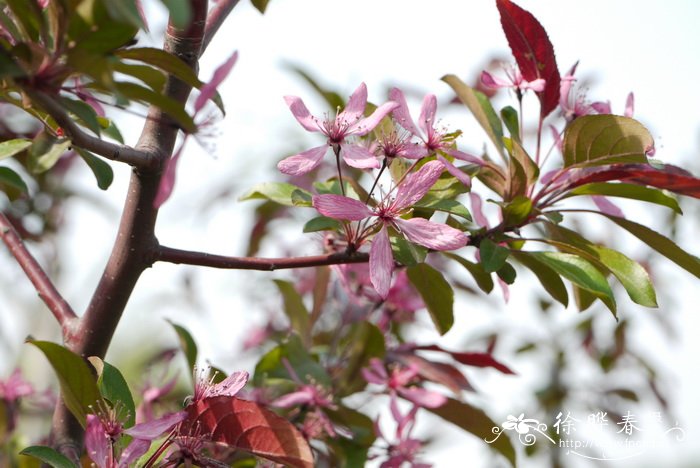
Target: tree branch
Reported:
point(113, 151)
point(216, 18)
point(170, 255)
point(44, 287)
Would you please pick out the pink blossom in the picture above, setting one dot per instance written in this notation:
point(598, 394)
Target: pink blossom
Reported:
point(405, 449)
point(230, 386)
point(15, 387)
point(434, 141)
point(349, 122)
point(514, 80)
point(388, 212)
point(399, 383)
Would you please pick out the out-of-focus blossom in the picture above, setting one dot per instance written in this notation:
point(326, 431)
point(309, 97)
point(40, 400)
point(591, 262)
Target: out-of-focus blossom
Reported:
point(514, 80)
point(399, 382)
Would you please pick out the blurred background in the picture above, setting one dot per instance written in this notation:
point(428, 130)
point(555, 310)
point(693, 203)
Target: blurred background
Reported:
point(566, 361)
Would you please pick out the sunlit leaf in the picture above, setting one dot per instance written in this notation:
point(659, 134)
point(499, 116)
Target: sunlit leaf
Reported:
point(11, 147)
point(550, 280)
point(436, 292)
point(432, 204)
point(45, 152)
point(631, 191)
point(605, 139)
point(321, 223)
point(510, 119)
point(279, 192)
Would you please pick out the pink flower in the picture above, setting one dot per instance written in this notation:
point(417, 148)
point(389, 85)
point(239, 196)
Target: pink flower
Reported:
point(434, 141)
point(405, 449)
point(388, 212)
point(15, 387)
point(398, 384)
point(347, 123)
point(230, 386)
point(515, 81)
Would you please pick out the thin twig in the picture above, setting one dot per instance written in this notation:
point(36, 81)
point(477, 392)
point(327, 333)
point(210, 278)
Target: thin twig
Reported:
point(115, 152)
point(170, 255)
point(216, 18)
point(58, 306)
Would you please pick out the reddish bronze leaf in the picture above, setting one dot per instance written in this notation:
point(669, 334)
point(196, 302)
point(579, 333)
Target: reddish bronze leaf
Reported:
point(470, 358)
point(667, 177)
point(248, 426)
point(532, 50)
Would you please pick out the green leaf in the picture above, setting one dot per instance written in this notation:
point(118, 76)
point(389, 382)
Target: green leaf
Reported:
point(524, 171)
point(604, 139)
point(11, 147)
point(507, 273)
point(363, 342)
point(481, 107)
point(165, 61)
point(279, 192)
point(437, 294)
point(29, 17)
point(482, 278)
point(260, 5)
point(171, 107)
point(78, 387)
point(49, 456)
point(580, 272)
point(187, 344)
point(321, 223)
point(180, 12)
point(85, 113)
point(407, 253)
point(12, 184)
point(114, 388)
point(492, 255)
point(271, 364)
point(125, 11)
point(100, 168)
point(660, 243)
point(45, 152)
point(294, 307)
point(633, 277)
point(454, 207)
point(475, 421)
point(510, 118)
point(550, 280)
point(151, 77)
point(110, 129)
point(631, 191)
point(517, 211)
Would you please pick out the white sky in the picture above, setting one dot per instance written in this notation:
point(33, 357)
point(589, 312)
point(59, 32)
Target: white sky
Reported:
point(649, 47)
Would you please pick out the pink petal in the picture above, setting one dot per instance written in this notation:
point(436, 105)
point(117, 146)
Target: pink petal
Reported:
point(606, 206)
point(209, 89)
point(462, 156)
point(340, 207)
point(401, 113)
point(153, 429)
point(414, 151)
point(423, 397)
point(493, 82)
point(230, 386)
point(302, 114)
point(359, 157)
point(602, 107)
point(629, 105)
point(417, 184)
point(366, 125)
point(427, 114)
point(302, 163)
point(505, 290)
point(356, 105)
point(97, 443)
point(381, 263)
point(133, 452)
point(167, 181)
point(535, 85)
point(567, 82)
point(435, 236)
point(476, 210)
point(297, 398)
point(452, 169)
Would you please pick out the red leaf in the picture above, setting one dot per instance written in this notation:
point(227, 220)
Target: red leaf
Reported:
point(668, 177)
point(532, 50)
point(438, 372)
point(470, 359)
point(248, 426)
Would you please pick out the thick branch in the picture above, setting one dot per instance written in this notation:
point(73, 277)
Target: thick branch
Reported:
point(113, 151)
point(170, 255)
point(216, 18)
point(43, 285)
